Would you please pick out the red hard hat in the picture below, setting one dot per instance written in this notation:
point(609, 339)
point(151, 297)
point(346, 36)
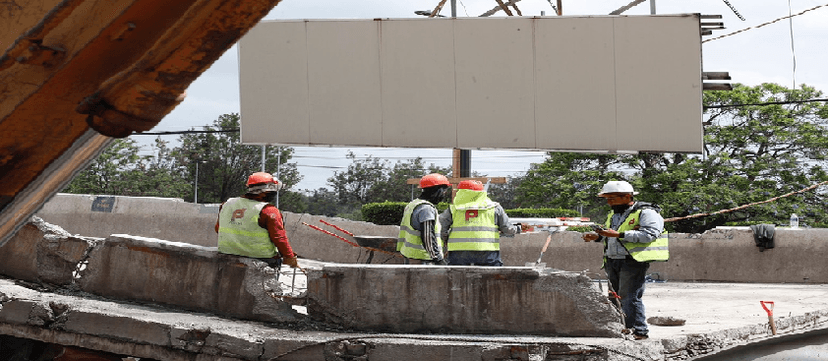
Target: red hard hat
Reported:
point(260, 182)
point(433, 179)
point(470, 184)
point(259, 178)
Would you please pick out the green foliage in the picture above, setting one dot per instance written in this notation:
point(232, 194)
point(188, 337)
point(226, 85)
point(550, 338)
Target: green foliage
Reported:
point(216, 162)
point(372, 180)
point(385, 213)
point(223, 164)
point(120, 170)
point(390, 213)
point(541, 212)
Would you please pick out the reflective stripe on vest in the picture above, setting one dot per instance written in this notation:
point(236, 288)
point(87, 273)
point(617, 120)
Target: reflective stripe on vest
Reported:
point(239, 230)
point(657, 250)
point(409, 240)
point(473, 223)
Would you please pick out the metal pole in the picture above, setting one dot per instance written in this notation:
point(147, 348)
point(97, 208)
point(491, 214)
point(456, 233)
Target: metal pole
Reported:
point(263, 157)
point(652, 7)
point(278, 171)
point(195, 185)
point(454, 8)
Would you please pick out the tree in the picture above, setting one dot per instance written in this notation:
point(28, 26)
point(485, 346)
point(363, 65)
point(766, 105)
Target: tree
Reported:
point(568, 180)
point(372, 180)
point(760, 142)
point(120, 170)
point(224, 163)
point(104, 175)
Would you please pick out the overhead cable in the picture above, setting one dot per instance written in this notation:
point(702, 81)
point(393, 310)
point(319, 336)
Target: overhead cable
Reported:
point(697, 215)
point(764, 24)
point(734, 10)
point(766, 103)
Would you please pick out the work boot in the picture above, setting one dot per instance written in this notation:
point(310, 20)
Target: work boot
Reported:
point(637, 337)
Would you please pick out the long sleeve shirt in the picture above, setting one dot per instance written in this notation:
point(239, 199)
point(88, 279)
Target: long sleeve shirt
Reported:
point(651, 224)
point(270, 218)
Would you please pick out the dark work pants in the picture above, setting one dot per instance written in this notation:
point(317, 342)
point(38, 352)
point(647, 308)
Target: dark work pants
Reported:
point(628, 277)
point(476, 258)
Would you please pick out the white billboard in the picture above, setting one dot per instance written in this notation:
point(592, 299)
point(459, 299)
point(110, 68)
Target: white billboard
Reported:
point(606, 83)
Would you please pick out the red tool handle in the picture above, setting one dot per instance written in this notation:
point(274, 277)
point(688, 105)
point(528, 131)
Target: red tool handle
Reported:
point(338, 228)
point(768, 310)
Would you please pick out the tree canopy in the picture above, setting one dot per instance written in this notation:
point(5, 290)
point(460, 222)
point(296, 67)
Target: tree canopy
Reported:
point(759, 142)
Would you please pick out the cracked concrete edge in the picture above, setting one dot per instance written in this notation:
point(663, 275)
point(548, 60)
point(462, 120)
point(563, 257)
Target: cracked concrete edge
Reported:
point(699, 345)
point(591, 303)
point(95, 324)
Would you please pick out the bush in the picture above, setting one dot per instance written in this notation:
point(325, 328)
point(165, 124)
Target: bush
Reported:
point(385, 213)
point(541, 212)
point(390, 213)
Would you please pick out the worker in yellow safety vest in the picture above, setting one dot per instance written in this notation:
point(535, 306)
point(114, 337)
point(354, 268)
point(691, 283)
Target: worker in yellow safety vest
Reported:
point(250, 226)
point(633, 237)
point(419, 229)
point(472, 227)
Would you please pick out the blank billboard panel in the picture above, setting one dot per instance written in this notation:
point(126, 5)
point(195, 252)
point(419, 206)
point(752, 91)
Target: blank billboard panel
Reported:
point(608, 83)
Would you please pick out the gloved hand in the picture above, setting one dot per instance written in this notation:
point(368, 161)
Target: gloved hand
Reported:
point(519, 228)
point(290, 261)
point(441, 262)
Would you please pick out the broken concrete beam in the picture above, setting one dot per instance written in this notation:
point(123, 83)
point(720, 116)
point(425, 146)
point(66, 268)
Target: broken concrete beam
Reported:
point(147, 270)
point(44, 253)
point(452, 299)
point(193, 277)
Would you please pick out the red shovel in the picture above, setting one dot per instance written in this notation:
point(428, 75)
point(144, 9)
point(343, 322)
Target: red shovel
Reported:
point(770, 314)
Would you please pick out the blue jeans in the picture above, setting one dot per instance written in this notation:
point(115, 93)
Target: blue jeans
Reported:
point(477, 258)
point(628, 277)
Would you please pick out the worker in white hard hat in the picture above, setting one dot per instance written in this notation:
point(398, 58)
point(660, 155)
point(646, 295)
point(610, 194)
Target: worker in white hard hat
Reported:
point(418, 239)
point(633, 236)
point(250, 226)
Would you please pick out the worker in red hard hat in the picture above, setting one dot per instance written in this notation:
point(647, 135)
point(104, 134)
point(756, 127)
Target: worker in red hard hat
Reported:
point(250, 226)
point(419, 230)
point(472, 227)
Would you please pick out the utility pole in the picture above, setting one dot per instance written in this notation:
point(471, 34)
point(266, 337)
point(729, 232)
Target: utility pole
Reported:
point(462, 157)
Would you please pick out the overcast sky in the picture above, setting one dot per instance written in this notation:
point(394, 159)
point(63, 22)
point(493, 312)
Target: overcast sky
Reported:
point(755, 56)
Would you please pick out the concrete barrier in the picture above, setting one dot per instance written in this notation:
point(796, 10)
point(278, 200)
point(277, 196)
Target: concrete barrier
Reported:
point(725, 254)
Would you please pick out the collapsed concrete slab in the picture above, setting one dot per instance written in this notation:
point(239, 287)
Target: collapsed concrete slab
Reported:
point(157, 333)
point(451, 299)
point(393, 298)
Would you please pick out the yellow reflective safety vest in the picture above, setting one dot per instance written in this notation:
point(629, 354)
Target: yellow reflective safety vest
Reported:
point(239, 230)
point(473, 226)
point(657, 250)
point(409, 240)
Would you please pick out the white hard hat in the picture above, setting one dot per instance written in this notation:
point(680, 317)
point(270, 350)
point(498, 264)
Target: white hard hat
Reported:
point(617, 187)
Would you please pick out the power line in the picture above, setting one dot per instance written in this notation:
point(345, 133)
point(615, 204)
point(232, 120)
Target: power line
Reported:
point(232, 130)
point(763, 24)
point(766, 103)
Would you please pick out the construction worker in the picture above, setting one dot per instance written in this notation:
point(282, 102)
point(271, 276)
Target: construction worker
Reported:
point(250, 226)
point(419, 229)
point(633, 236)
point(472, 227)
